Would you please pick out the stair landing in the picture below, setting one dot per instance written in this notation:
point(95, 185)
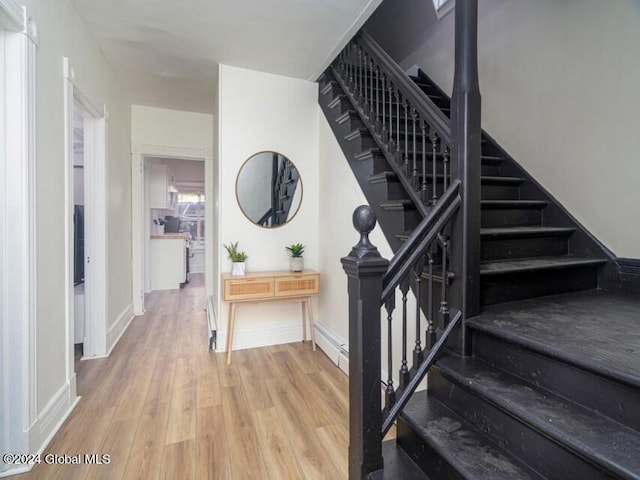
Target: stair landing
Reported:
point(595, 330)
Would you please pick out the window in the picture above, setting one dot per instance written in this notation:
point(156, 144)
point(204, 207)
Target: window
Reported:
point(191, 213)
point(443, 7)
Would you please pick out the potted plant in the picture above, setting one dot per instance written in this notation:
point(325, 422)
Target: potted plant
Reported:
point(297, 260)
point(238, 259)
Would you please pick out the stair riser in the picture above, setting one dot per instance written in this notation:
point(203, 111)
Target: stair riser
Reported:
point(341, 106)
point(517, 286)
point(349, 124)
point(604, 395)
point(500, 192)
point(361, 142)
point(510, 217)
point(520, 440)
point(330, 92)
point(406, 219)
point(441, 103)
point(494, 249)
point(376, 164)
point(426, 457)
point(508, 193)
point(392, 190)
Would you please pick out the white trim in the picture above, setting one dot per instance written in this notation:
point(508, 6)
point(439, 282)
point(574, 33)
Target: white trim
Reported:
point(119, 327)
point(17, 235)
point(12, 16)
point(165, 151)
point(357, 24)
point(96, 261)
point(269, 333)
point(52, 417)
point(335, 347)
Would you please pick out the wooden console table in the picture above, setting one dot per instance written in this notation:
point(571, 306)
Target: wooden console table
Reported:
point(271, 287)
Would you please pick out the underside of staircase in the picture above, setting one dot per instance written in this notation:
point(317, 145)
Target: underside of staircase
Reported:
point(552, 387)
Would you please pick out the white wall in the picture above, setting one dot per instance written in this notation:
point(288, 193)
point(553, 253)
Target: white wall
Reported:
point(171, 128)
point(340, 195)
point(63, 33)
point(257, 112)
point(559, 83)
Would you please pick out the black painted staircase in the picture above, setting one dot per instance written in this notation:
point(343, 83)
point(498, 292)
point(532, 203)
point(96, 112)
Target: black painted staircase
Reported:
point(538, 398)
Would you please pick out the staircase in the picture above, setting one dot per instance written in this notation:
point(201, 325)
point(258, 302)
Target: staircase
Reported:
point(549, 383)
point(530, 246)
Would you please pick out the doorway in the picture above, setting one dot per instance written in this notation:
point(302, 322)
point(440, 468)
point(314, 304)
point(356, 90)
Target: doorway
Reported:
point(174, 222)
point(79, 232)
point(85, 220)
point(141, 212)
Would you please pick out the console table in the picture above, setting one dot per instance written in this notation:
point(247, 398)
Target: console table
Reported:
point(271, 287)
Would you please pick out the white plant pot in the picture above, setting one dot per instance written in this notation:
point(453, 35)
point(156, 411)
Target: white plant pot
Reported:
point(237, 269)
point(297, 264)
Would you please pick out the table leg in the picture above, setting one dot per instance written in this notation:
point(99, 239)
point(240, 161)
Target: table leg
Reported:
point(230, 328)
point(304, 320)
point(311, 324)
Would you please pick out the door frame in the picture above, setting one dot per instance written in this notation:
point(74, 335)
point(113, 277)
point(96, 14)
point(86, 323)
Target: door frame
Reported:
point(95, 219)
point(139, 152)
point(19, 420)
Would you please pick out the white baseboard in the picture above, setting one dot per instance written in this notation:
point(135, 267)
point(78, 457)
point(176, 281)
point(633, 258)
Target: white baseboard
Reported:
point(336, 348)
point(47, 424)
point(117, 329)
point(253, 336)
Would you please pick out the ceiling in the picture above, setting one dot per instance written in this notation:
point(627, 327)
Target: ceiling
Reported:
point(167, 52)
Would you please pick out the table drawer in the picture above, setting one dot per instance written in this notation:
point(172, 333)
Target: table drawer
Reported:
point(297, 285)
point(248, 288)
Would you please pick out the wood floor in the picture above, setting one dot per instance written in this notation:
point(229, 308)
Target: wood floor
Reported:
point(163, 406)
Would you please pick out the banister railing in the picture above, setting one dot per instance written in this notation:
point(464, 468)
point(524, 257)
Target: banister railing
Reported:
point(437, 160)
point(411, 131)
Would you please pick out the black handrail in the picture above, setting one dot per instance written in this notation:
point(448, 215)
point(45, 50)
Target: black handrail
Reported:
point(427, 109)
point(401, 261)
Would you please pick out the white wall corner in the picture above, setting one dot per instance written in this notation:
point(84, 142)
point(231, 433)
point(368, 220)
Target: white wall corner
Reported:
point(357, 24)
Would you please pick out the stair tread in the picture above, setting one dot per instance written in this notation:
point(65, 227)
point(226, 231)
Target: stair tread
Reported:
point(461, 443)
point(494, 179)
point(603, 441)
point(533, 231)
point(514, 203)
point(369, 152)
point(400, 204)
point(383, 177)
point(440, 176)
point(593, 330)
point(346, 115)
point(337, 100)
point(512, 265)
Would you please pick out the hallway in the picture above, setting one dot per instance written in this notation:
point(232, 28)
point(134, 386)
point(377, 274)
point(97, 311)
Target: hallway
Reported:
point(163, 406)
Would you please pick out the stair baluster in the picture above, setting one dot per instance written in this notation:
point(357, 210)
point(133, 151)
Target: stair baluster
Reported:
point(404, 367)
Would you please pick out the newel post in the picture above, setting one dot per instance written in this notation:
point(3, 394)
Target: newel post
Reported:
point(365, 268)
point(465, 165)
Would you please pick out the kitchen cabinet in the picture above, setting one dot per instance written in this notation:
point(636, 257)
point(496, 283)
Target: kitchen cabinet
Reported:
point(168, 268)
point(162, 192)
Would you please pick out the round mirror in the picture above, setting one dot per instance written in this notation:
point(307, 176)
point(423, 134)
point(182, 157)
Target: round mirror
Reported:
point(269, 189)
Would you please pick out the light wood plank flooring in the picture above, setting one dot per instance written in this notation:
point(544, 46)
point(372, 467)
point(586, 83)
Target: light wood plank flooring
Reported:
point(163, 406)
